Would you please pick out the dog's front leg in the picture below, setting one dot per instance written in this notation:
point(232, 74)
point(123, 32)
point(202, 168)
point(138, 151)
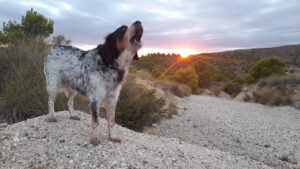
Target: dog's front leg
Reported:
point(95, 122)
point(110, 116)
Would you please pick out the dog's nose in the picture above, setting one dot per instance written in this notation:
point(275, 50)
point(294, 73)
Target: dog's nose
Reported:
point(137, 23)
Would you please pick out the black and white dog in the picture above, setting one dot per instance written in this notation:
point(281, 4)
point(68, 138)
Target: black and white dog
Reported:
point(96, 74)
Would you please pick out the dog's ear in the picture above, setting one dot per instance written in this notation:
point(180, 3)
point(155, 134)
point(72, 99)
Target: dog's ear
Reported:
point(136, 57)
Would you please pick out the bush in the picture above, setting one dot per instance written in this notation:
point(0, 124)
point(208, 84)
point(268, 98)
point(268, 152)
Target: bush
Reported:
point(180, 90)
point(284, 81)
point(234, 87)
point(23, 88)
point(273, 96)
point(186, 76)
point(249, 79)
point(144, 111)
point(270, 66)
point(207, 73)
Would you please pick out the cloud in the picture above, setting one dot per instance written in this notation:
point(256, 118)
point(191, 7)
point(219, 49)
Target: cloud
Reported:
point(206, 25)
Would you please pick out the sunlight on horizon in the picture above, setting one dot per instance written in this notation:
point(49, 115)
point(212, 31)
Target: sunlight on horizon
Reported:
point(184, 52)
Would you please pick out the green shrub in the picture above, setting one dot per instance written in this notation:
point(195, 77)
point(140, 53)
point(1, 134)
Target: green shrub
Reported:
point(266, 67)
point(249, 79)
point(234, 87)
point(186, 76)
point(143, 111)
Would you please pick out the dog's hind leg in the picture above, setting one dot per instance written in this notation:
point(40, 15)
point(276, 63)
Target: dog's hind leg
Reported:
point(52, 91)
point(72, 94)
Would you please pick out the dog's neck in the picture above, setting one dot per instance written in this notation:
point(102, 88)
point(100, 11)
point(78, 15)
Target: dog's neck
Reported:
point(125, 59)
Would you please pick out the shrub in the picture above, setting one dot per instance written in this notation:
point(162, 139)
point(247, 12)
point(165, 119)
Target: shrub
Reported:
point(186, 76)
point(234, 87)
point(178, 89)
point(249, 79)
point(266, 67)
point(272, 96)
point(135, 114)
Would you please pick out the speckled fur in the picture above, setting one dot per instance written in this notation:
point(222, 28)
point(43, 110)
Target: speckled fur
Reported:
point(71, 70)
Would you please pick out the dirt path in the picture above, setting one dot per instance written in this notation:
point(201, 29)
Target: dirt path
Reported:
point(267, 134)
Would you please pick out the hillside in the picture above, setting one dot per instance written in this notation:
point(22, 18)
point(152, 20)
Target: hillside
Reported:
point(289, 53)
point(37, 144)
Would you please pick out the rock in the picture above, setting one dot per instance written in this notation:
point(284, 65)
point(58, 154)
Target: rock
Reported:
point(2, 125)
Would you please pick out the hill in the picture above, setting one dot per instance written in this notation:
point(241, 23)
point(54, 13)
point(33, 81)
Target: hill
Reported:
point(289, 53)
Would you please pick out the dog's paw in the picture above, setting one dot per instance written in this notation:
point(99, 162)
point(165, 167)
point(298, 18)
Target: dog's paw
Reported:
point(95, 140)
point(115, 139)
point(51, 119)
point(74, 117)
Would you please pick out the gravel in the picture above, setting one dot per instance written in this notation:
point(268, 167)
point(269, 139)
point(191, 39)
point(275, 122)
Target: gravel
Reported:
point(38, 144)
point(270, 135)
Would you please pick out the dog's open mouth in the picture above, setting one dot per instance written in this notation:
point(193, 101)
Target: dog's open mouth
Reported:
point(139, 34)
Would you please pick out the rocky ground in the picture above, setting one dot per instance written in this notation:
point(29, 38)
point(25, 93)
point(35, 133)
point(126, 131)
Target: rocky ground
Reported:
point(208, 132)
point(270, 135)
point(38, 144)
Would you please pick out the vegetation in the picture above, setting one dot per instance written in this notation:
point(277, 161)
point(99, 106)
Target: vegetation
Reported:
point(273, 96)
point(206, 73)
point(33, 25)
point(186, 76)
point(60, 40)
point(178, 89)
point(270, 66)
point(234, 87)
point(141, 112)
point(266, 67)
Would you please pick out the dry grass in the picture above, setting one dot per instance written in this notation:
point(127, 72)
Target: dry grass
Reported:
point(273, 96)
point(152, 132)
point(144, 75)
point(247, 97)
point(289, 80)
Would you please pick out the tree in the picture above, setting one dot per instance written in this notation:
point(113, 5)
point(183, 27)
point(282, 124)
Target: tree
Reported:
point(33, 25)
point(60, 40)
point(206, 73)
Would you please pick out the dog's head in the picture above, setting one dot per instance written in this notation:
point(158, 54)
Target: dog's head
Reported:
point(123, 44)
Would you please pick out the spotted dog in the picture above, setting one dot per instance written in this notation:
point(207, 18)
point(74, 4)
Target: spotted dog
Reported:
point(96, 74)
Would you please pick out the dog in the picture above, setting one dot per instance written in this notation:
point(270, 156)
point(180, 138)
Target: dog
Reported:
point(97, 74)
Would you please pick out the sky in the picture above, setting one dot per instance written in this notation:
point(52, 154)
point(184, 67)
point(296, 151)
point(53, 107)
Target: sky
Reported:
point(190, 26)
